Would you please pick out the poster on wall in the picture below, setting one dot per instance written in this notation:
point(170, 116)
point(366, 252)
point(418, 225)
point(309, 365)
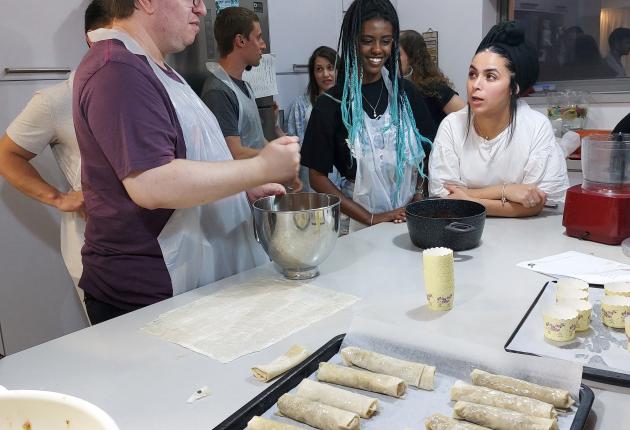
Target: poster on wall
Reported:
point(431, 39)
point(262, 78)
point(222, 4)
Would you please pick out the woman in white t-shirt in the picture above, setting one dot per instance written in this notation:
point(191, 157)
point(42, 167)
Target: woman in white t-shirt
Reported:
point(498, 151)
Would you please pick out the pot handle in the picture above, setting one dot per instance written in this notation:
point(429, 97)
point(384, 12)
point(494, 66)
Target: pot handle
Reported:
point(460, 227)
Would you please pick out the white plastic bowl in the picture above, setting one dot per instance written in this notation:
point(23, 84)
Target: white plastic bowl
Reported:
point(26, 409)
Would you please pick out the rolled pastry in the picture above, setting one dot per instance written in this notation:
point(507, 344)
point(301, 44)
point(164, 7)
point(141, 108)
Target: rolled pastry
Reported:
point(415, 374)
point(500, 419)
point(362, 405)
point(260, 423)
point(442, 422)
point(557, 397)
point(288, 360)
point(317, 414)
point(361, 379)
point(499, 399)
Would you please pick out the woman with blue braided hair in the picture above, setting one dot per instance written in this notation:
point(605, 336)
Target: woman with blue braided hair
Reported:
point(373, 126)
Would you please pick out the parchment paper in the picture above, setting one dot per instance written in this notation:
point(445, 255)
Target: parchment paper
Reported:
point(601, 347)
point(455, 359)
point(247, 317)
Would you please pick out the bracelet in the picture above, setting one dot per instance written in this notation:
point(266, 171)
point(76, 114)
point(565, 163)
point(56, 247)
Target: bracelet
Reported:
point(503, 199)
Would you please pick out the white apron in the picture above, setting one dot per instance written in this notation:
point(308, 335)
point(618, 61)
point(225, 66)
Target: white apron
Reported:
point(72, 239)
point(206, 243)
point(249, 124)
point(375, 153)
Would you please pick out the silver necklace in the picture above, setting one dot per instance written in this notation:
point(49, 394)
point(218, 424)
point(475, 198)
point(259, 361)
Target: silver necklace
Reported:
point(377, 101)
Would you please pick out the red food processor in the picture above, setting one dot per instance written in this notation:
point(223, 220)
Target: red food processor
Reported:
point(599, 208)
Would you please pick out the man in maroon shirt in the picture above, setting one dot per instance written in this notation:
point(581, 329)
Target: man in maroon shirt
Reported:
point(155, 165)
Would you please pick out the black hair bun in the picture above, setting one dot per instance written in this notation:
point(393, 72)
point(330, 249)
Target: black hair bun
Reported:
point(510, 33)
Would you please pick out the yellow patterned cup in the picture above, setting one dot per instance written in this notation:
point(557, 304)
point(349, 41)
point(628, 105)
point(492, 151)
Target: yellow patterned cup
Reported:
point(570, 293)
point(615, 309)
point(584, 310)
point(617, 289)
point(439, 278)
point(572, 283)
point(560, 323)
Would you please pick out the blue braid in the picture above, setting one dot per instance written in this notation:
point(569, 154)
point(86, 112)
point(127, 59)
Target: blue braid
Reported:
point(351, 101)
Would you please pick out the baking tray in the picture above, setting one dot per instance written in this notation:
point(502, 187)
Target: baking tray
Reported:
point(590, 373)
point(268, 398)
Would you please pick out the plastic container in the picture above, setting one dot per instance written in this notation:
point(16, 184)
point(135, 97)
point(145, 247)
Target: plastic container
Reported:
point(33, 409)
point(606, 163)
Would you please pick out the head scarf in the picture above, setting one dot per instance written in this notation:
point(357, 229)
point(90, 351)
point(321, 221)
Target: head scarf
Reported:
point(509, 37)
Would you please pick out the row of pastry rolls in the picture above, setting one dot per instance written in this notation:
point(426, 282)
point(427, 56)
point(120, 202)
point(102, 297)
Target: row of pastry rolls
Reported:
point(502, 403)
point(327, 407)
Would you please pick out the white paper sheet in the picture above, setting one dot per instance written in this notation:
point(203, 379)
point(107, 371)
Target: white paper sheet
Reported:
point(247, 317)
point(454, 359)
point(600, 347)
point(262, 78)
point(594, 270)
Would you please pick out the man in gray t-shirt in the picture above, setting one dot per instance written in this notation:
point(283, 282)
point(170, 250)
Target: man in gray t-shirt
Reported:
point(231, 100)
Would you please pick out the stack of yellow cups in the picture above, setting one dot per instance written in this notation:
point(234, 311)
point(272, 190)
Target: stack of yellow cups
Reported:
point(439, 278)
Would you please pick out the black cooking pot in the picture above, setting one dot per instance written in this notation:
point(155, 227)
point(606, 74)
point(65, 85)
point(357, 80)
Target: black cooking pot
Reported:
point(454, 224)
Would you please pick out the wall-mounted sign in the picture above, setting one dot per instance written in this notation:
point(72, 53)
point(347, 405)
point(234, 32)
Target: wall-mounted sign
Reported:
point(431, 39)
point(222, 4)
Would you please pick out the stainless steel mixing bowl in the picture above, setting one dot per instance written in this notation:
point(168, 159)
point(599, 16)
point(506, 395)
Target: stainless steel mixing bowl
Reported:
point(298, 231)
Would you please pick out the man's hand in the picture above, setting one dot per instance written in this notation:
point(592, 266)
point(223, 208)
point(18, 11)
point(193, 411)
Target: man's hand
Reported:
point(280, 159)
point(526, 195)
point(265, 190)
point(295, 186)
point(70, 202)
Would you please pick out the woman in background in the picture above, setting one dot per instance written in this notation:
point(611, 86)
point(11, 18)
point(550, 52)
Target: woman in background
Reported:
point(417, 66)
point(321, 77)
point(499, 152)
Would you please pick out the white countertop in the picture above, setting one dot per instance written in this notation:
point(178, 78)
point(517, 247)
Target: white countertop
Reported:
point(143, 382)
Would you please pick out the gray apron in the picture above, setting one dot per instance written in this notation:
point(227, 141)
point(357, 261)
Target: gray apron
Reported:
point(249, 125)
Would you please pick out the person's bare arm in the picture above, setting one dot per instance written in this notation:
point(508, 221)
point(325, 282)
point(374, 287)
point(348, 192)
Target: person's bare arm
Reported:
point(527, 195)
point(186, 183)
point(320, 183)
point(16, 168)
point(494, 206)
point(240, 152)
point(454, 104)
point(509, 209)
